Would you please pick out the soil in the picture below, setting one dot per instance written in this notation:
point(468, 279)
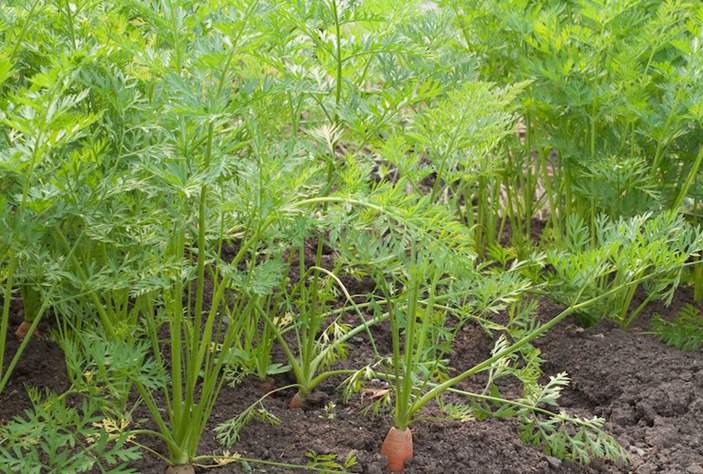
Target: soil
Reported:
point(650, 394)
point(42, 365)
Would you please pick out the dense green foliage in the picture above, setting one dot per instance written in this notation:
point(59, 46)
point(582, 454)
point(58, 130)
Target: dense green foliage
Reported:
point(185, 185)
point(685, 332)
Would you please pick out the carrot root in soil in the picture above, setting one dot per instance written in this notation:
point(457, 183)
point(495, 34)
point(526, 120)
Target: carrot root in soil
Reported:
point(398, 448)
point(180, 469)
point(296, 402)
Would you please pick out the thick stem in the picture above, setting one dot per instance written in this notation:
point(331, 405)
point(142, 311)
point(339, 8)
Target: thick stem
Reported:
point(6, 303)
point(683, 192)
point(441, 388)
point(338, 57)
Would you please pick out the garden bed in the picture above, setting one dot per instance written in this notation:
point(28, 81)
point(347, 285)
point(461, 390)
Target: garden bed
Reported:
point(650, 394)
point(444, 221)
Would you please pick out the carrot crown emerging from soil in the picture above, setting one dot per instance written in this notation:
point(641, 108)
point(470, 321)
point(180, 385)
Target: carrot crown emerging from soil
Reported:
point(397, 448)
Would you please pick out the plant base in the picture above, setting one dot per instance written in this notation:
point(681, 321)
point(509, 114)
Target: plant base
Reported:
point(181, 469)
point(397, 448)
point(296, 402)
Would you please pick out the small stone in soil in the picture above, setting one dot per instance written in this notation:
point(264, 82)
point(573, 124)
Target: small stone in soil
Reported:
point(694, 469)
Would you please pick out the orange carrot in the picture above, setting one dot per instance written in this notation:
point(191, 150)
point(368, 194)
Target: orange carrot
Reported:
point(296, 401)
point(398, 448)
point(181, 469)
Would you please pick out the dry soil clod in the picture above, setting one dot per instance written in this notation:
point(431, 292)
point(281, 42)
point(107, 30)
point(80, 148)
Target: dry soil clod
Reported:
point(265, 386)
point(23, 330)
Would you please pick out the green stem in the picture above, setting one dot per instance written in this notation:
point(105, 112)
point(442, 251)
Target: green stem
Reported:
point(338, 58)
point(6, 303)
point(403, 409)
point(683, 192)
point(439, 389)
point(24, 29)
point(69, 15)
point(13, 363)
point(105, 320)
point(202, 211)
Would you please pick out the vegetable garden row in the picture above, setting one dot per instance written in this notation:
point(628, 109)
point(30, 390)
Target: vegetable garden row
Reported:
point(351, 210)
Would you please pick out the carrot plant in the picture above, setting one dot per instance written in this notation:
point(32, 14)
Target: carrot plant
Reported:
point(684, 332)
point(414, 359)
point(57, 436)
point(254, 344)
point(460, 136)
point(610, 116)
point(41, 120)
point(198, 134)
point(318, 342)
point(623, 251)
point(188, 187)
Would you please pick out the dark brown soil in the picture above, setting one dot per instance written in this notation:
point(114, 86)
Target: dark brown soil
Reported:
point(650, 394)
point(42, 365)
